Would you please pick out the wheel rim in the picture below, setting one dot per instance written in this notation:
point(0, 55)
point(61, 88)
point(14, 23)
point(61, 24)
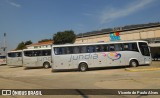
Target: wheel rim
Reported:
point(46, 66)
point(134, 64)
point(83, 67)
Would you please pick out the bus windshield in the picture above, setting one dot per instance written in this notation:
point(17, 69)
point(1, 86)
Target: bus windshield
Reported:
point(144, 49)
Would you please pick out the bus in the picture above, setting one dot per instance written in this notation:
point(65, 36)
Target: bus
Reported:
point(14, 58)
point(37, 57)
point(84, 56)
point(3, 60)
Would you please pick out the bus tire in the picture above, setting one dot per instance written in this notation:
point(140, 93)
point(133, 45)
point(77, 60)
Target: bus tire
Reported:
point(83, 67)
point(46, 65)
point(133, 63)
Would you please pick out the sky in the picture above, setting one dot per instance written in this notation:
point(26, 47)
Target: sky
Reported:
point(34, 20)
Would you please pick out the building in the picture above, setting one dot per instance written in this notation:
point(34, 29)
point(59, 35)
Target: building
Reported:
point(149, 32)
point(46, 44)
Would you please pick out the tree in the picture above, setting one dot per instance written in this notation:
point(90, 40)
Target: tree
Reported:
point(64, 37)
point(28, 42)
point(45, 40)
point(22, 45)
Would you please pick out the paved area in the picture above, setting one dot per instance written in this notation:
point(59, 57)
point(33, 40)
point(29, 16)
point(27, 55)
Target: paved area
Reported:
point(107, 78)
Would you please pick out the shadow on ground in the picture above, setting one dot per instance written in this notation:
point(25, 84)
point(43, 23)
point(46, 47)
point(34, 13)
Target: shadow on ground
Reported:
point(91, 69)
point(30, 68)
point(15, 66)
point(3, 65)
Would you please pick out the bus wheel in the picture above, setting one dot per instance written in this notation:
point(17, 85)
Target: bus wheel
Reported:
point(133, 63)
point(83, 67)
point(46, 65)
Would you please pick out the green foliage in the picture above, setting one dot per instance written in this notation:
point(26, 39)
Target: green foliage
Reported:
point(28, 42)
point(22, 45)
point(64, 37)
point(44, 40)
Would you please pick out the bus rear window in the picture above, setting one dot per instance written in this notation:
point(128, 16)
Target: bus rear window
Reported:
point(2, 57)
point(15, 54)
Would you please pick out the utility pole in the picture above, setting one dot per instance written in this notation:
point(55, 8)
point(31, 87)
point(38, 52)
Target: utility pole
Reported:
point(82, 37)
point(4, 46)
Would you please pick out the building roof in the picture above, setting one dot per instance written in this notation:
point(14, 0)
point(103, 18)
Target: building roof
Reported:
point(120, 29)
point(41, 43)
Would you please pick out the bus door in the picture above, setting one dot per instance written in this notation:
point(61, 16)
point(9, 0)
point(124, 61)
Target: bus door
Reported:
point(144, 49)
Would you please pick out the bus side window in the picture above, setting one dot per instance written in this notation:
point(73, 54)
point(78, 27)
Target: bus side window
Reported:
point(83, 49)
point(126, 46)
point(28, 53)
point(18, 54)
point(60, 50)
point(98, 48)
point(90, 49)
point(69, 50)
point(106, 48)
point(64, 50)
point(133, 47)
point(103, 48)
point(118, 47)
point(111, 47)
point(75, 50)
point(37, 53)
point(10, 54)
point(46, 52)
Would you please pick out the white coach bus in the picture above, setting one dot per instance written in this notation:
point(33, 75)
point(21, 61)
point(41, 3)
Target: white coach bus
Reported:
point(3, 60)
point(37, 57)
point(84, 56)
point(14, 58)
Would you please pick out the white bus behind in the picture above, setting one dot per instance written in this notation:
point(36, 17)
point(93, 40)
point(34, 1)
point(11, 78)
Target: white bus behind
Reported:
point(14, 58)
point(84, 56)
point(37, 57)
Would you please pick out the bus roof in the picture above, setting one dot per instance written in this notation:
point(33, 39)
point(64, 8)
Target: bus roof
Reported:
point(14, 51)
point(113, 42)
point(2, 55)
point(36, 49)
